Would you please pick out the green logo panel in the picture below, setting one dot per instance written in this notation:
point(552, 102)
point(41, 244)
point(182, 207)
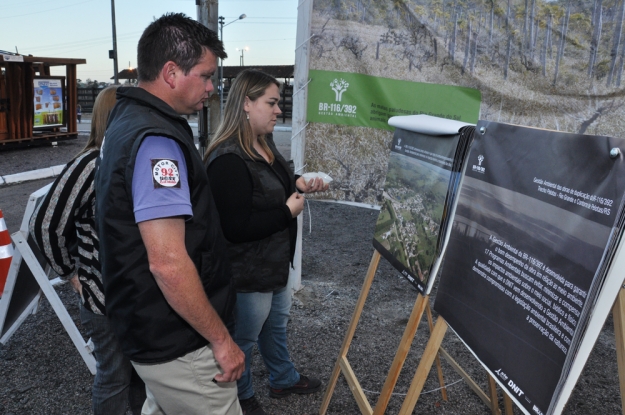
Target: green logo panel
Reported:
point(367, 101)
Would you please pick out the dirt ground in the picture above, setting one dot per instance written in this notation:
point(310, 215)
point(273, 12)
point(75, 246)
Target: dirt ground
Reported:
point(42, 373)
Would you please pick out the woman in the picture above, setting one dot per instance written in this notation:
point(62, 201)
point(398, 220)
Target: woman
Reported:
point(64, 228)
point(258, 199)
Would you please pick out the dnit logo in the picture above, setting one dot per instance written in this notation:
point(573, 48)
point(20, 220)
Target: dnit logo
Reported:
point(339, 86)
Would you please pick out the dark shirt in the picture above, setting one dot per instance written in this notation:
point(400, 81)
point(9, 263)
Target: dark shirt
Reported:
point(232, 190)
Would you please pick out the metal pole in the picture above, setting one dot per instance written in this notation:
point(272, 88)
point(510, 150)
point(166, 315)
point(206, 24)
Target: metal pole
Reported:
point(221, 69)
point(114, 43)
point(221, 64)
point(209, 116)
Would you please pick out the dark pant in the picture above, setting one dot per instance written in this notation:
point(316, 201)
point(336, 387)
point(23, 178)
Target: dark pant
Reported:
point(116, 383)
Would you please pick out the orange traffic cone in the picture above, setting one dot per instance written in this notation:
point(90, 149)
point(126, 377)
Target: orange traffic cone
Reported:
point(6, 253)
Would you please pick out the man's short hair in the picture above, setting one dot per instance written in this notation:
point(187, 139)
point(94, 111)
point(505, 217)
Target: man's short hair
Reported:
point(178, 38)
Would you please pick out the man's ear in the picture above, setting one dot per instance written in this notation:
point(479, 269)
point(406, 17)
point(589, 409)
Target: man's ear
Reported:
point(169, 72)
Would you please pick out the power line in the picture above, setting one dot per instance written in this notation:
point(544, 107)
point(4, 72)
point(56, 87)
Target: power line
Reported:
point(46, 11)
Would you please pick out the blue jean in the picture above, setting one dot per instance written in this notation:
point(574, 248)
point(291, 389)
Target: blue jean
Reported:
point(116, 383)
point(261, 318)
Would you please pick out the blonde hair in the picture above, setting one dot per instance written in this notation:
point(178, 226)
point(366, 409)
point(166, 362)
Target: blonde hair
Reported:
point(104, 103)
point(252, 84)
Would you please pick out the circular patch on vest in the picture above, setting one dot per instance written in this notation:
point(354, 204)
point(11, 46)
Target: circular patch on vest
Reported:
point(165, 173)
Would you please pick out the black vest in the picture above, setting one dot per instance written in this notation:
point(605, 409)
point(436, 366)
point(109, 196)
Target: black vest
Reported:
point(149, 330)
point(262, 265)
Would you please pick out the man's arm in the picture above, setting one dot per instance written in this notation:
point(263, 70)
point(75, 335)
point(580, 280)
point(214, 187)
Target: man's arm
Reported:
point(179, 281)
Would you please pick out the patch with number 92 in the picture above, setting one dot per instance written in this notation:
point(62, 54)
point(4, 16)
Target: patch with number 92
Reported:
point(165, 173)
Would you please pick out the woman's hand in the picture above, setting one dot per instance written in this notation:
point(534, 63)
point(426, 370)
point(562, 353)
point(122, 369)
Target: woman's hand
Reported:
point(296, 204)
point(75, 283)
point(313, 185)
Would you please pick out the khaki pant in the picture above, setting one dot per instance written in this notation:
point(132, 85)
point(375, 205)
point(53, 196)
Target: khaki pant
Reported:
point(185, 387)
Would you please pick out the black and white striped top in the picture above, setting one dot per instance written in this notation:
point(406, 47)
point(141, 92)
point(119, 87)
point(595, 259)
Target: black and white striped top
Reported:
point(64, 228)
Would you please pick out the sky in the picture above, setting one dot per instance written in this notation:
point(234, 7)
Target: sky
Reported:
point(82, 29)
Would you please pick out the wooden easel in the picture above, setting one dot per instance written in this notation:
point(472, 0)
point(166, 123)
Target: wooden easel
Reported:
point(429, 356)
point(434, 345)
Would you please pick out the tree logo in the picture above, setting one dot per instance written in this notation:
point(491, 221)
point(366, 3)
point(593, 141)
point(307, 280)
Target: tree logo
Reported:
point(339, 86)
point(398, 145)
point(479, 168)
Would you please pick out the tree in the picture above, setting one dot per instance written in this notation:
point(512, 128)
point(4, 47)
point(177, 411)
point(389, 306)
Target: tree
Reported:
point(565, 25)
point(452, 44)
point(620, 67)
point(467, 48)
point(492, 18)
point(616, 43)
point(474, 49)
point(525, 41)
point(509, 45)
point(547, 42)
point(533, 34)
point(597, 23)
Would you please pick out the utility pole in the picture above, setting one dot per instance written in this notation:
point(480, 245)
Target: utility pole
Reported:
point(114, 51)
point(210, 116)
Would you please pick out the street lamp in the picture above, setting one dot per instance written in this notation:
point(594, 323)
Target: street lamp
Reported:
point(245, 49)
point(221, 62)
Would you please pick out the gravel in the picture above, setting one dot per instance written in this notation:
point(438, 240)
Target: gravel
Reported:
point(42, 373)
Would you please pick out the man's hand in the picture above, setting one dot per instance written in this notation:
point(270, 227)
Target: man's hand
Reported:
point(231, 360)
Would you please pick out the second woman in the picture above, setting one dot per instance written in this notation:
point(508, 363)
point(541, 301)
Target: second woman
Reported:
point(258, 199)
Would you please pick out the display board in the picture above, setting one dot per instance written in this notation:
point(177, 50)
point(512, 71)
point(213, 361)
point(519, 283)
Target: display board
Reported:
point(535, 229)
point(48, 102)
point(420, 186)
point(555, 65)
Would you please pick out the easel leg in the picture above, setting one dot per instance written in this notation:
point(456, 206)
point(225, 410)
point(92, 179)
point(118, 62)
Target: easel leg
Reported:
point(507, 404)
point(470, 382)
point(619, 334)
point(400, 355)
point(429, 354)
point(494, 399)
point(364, 292)
point(439, 367)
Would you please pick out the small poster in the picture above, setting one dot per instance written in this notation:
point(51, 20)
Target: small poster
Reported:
point(48, 103)
point(420, 184)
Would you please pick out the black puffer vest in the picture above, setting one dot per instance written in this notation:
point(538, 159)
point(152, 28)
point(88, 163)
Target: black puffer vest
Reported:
point(150, 331)
point(262, 265)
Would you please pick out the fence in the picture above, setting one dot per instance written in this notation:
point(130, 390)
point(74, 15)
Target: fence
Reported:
point(86, 97)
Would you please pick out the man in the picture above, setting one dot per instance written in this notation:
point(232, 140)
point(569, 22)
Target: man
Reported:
point(164, 266)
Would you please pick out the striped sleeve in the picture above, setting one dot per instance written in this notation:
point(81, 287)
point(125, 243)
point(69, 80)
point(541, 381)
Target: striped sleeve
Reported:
point(53, 224)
